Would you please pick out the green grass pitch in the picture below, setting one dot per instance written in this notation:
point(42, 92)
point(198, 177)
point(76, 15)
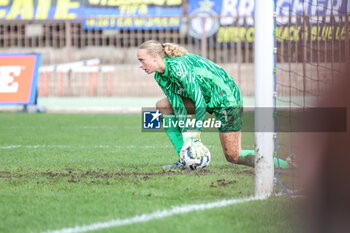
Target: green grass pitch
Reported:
point(64, 170)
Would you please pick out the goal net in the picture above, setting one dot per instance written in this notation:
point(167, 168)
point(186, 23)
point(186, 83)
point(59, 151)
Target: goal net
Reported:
point(311, 43)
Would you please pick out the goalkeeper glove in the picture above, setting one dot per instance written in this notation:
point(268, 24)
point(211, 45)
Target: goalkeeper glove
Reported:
point(198, 150)
point(192, 139)
point(191, 136)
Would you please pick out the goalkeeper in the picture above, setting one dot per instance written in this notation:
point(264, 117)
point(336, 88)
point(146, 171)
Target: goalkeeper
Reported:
point(195, 85)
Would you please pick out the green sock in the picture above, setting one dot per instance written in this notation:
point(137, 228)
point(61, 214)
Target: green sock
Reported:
point(174, 134)
point(247, 157)
point(283, 163)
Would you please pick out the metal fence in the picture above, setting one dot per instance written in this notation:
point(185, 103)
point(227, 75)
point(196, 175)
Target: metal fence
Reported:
point(73, 38)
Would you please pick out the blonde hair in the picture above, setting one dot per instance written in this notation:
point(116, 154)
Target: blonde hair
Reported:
point(163, 50)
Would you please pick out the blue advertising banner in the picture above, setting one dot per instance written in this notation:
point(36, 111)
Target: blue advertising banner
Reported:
point(98, 14)
point(41, 9)
point(227, 8)
point(222, 19)
point(137, 14)
point(161, 14)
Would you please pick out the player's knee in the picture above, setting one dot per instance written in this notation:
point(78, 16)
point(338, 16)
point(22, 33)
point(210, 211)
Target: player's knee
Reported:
point(164, 106)
point(232, 157)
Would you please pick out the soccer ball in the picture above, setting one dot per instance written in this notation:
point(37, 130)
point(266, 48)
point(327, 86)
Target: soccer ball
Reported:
point(195, 163)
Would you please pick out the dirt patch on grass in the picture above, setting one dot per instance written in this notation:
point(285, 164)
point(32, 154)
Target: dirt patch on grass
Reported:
point(75, 173)
point(247, 172)
point(222, 183)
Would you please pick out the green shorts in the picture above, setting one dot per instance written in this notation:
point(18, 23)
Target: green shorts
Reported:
point(231, 119)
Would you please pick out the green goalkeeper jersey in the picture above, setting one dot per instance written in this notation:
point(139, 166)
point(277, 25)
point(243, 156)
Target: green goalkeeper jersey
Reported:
point(205, 83)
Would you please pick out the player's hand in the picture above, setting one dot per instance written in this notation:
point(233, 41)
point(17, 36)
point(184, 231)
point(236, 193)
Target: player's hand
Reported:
point(198, 150)
point(191, 136)
point(192, 139)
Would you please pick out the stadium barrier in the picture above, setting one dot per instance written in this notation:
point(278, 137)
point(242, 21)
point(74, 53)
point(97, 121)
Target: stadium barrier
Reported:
point(231, 47)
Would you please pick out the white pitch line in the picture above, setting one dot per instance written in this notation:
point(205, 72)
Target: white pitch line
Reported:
point(155, 215)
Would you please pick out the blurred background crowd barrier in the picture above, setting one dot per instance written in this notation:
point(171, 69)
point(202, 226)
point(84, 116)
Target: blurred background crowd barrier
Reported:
point(311, 38)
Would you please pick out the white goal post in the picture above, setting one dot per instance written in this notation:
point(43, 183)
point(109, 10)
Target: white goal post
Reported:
point(263, 75)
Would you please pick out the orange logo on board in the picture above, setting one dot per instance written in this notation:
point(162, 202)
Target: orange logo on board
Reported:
point(18, 78)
